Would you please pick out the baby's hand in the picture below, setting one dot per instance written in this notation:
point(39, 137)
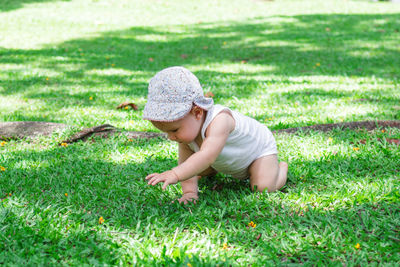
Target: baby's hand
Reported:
point(188, 197)
point(167, 177)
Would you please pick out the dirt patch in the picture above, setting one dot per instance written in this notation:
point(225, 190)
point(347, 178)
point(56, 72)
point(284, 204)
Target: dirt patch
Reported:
point(368, 125)
point(31, 129)
point(22, 129)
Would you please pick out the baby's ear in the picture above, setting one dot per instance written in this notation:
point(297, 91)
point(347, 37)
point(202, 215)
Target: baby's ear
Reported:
point(197, 112)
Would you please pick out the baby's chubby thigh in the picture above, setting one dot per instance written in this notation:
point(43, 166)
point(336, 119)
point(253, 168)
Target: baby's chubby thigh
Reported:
point(264, 174)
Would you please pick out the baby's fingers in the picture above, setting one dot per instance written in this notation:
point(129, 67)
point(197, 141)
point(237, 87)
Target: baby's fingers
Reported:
point(154, 181)
point(151, 176)
point(165, 185)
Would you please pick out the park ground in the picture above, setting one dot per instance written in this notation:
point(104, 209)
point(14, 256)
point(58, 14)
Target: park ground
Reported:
point(285, 63)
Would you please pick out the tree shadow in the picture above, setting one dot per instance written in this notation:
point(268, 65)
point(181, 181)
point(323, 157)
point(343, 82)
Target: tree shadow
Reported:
point(97, 187)
point(9, 5)
point(291, 49)
point(299, 47)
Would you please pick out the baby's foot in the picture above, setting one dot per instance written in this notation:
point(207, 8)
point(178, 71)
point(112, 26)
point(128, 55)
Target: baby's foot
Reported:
point(283, 170)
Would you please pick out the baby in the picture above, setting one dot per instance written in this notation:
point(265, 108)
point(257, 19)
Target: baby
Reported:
point(211, 138)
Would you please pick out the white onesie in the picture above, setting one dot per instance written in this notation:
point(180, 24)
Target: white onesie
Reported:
point(249, 141)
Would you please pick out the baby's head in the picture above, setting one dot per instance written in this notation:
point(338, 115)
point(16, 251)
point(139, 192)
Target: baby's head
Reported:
point(175, 100)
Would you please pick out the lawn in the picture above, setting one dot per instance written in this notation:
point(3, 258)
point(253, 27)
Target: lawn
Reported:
point(285, 63)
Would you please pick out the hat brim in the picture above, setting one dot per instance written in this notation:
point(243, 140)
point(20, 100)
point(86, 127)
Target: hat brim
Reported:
point(165, 111)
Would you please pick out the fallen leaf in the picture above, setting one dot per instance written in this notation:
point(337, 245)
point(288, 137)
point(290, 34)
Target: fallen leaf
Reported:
point(217, 187)
point(127, 104)
point(362, 141)
point(390, 140)
point(258, 237)
point(209, 94)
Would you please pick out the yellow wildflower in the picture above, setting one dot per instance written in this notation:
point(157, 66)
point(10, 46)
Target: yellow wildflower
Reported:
point(330, 139)
point(357, 246)
point(225, 246)
point(2, 169)
point(356, 148)
point(91, 98)
point(252, 224)
point(101, 220)
point(3, 143)
point(318, 64)
point(66, 194)
point(64, 144)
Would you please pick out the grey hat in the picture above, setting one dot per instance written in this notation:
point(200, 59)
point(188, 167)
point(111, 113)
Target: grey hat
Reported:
point(172, 93)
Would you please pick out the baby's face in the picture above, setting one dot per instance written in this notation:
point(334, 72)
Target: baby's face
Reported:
point(184, 130)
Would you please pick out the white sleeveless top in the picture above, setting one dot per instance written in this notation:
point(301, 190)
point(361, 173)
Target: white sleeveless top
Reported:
point(249, 141)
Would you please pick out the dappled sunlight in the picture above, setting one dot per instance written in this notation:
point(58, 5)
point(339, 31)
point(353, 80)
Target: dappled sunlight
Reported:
point(110, 72)
point(248, 62)
point(76, 185)
point(284, 63)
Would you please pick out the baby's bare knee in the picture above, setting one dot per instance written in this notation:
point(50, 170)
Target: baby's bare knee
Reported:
point(268, 184)
point(272, 181)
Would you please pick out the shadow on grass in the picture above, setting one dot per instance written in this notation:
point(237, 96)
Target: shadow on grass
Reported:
point(9, 5)
point(122, 62)
point(118, 193)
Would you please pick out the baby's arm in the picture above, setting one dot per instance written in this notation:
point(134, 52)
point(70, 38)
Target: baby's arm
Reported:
point(189, 186)
point(216, 135)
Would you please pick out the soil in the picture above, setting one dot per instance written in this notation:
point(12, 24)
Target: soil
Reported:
point(32, 129)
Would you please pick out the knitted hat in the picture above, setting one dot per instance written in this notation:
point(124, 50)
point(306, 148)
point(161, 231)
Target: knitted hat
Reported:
point(172, 93)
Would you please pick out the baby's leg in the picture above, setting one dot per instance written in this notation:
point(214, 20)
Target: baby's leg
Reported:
point(267, 173)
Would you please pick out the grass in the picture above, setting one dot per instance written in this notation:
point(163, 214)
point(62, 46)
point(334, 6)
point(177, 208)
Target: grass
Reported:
point(285, 63)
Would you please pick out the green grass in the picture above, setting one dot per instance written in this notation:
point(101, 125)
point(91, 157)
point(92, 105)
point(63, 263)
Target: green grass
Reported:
point(285, 63)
